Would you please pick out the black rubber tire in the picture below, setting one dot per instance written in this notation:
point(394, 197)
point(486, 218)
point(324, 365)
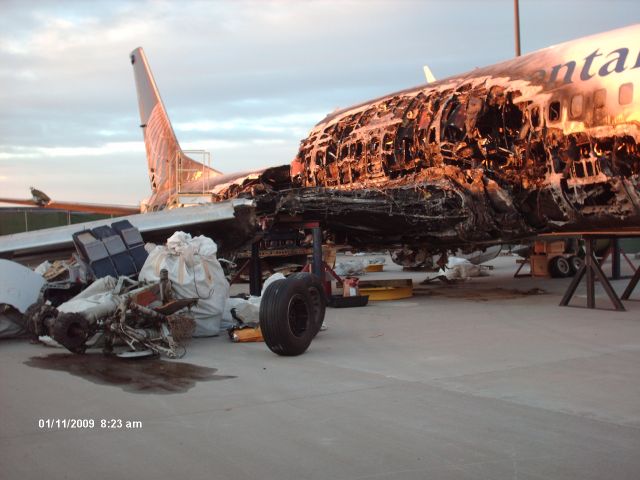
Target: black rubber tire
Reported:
point(559, 267)
point(576, 263)
point(316, 295)
point(287, 317)
point(266, 310)
point(71, 330)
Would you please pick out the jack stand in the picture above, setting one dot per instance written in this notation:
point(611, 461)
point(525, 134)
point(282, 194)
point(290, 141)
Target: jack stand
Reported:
point(255, 276)
point(592, 269)
point(325, 277)
point(616, 252)
point(318, 266)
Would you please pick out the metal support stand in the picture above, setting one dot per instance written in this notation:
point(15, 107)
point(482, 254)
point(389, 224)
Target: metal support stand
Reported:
point(318, 269)
point(522, 263)
point(256, 265)
point(615, 259)
point(255, 275)
point(632, 285)
point(592, 269)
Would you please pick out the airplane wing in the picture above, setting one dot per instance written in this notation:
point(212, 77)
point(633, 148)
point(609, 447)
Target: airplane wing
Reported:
point(76, 206)
point(232, 222)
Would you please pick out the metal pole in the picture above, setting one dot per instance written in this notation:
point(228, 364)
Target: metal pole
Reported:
point(317, 252)
point(589, 260)
point(516, 18)
point(615, 259)
point(255, 272)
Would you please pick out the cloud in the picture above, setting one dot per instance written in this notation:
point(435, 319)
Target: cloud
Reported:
point(245, 79)
point(292, 124)
point(107, 149)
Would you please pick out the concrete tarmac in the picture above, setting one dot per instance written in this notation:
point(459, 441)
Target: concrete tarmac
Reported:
point(484, 380)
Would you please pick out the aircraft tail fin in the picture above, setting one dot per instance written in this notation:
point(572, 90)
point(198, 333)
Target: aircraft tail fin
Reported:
point(428, 74)
point(168, 166)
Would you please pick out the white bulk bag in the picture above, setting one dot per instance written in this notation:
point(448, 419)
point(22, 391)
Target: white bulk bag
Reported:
point(194, 272)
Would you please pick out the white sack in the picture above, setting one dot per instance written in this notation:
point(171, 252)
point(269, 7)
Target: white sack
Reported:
point(461, 268)
point(350, 267)
point(246, 310)
point(194, 272)
point(99, 292)
point(43, 267)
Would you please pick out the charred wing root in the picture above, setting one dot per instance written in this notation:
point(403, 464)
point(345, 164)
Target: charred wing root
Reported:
point(440, 207)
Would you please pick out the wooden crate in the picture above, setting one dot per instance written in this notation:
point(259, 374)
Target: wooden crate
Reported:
point(539, 265)
point(541, 246)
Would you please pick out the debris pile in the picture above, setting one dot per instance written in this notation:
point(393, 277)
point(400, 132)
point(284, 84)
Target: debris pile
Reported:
point(180, 292)
point(458, 270)
point(113, 313)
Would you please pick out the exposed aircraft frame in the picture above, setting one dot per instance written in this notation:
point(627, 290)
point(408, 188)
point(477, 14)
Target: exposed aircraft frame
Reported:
point(543, 142)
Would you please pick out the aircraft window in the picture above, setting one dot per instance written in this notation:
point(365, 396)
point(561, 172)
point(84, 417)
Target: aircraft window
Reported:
point(599, 101)
point(625, 94)
point(599, 98)
point(407, 143)
point(576, 106)
point(359, 149)
point(344, 152)
point(331, 152)
point(535, 117)
point(554, 111)
point(374, 146)
point(387, 149)
point(387, 143)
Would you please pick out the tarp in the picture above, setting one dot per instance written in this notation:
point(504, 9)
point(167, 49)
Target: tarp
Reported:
point(100, 292)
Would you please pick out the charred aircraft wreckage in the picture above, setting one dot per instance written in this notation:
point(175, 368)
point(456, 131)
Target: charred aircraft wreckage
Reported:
point(542, 142)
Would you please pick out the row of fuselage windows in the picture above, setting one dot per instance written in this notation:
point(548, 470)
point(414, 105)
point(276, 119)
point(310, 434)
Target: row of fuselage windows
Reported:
point(576, 106)
point(575, 111)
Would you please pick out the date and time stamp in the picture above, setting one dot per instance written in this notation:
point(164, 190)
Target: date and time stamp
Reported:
point(89, 424)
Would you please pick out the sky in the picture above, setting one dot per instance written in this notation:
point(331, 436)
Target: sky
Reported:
point(245, 80)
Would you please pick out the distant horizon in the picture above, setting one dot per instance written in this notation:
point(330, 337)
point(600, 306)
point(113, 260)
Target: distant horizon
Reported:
point(244, 80)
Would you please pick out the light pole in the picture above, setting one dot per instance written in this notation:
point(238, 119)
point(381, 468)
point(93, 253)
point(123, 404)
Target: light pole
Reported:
point(516, 19)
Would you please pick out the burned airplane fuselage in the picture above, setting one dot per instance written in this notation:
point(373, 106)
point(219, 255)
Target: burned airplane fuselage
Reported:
point(542, 142)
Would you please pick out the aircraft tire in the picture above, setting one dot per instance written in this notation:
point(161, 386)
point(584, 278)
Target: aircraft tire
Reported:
point(316, 295)
point(267, 326)
point(287, 317)
point(71, 330)
point(559, 267)
point(576, 263)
